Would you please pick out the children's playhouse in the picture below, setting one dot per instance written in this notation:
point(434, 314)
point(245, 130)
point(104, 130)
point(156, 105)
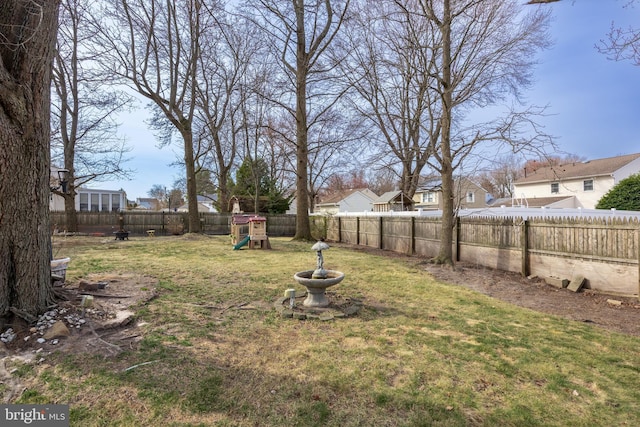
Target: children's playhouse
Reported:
point(251, 230)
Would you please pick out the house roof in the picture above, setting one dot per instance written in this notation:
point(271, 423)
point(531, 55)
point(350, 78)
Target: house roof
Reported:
point(431, 183)
point(207, 198)
point(245, 219)
point(391, 196)
point(201, 208)
point(576, 170)
point(538, 202)
point(336, 197)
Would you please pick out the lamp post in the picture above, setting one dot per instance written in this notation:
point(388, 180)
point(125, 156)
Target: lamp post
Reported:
point(63, 181)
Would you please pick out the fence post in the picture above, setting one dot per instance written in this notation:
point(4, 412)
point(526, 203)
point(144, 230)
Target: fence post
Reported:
point(380, 245)
point(357, 231)
point(413, 236)
point(524, 244)
point(339, 229)
point(457, 238)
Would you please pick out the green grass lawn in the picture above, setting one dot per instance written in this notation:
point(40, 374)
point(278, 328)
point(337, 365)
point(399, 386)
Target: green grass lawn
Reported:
point(419, 353)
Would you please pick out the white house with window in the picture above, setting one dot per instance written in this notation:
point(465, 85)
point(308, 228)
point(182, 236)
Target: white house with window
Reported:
point(89, 199)
point(93, 200)
point(575, 184)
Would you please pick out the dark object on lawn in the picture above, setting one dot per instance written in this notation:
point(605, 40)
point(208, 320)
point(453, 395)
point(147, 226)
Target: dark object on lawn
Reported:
point(121, 235)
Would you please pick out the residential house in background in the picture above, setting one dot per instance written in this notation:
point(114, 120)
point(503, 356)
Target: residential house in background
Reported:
point(393, 201)
point(352, 200)
point(575, 184)
point(467, 193)
point(147, 204)
point(205, 204)
point(209, 200)
point(95, 200)
point(90, 199)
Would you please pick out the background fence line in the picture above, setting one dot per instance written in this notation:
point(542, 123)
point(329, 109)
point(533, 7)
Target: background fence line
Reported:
point(605, 250)
point(164, 223)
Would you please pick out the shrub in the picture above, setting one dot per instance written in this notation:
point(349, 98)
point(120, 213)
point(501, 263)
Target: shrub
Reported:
point(625, 195)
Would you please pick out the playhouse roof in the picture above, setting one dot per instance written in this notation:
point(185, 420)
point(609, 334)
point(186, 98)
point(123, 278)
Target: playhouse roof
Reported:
point(245, 219)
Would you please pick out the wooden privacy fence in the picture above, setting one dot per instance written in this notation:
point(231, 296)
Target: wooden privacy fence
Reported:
point(605, 251)
point(165, 223)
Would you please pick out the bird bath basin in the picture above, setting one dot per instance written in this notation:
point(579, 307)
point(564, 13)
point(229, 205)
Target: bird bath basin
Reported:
point(317, 281)
point(316, 295)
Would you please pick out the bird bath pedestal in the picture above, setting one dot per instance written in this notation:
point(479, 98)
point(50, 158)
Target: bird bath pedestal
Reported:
point(317, 281)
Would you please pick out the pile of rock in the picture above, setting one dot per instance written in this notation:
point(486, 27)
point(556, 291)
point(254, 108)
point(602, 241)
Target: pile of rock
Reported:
point(8, 336)
point(56, 323)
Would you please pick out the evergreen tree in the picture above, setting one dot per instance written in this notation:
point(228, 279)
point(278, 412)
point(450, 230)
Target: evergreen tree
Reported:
point(625, 195)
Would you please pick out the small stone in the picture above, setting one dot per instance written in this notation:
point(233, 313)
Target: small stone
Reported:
point(614, 302)
point(41, 340)
point(325, 316)
point(58, 329)
point(286, 314)
point(299, 316)
point(576, 283)
point(351, 310)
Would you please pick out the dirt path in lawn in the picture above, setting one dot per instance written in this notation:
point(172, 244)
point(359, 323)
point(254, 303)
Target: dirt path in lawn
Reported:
point(612, 312)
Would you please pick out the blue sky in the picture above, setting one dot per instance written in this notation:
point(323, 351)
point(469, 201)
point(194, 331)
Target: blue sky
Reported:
point(593, 103)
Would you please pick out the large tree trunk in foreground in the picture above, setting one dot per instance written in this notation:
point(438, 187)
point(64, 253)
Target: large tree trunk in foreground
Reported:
point(27, 39)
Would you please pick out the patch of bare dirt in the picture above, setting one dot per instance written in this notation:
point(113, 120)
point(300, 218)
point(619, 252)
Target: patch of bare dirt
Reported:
point(95, 315)
point(612, 312)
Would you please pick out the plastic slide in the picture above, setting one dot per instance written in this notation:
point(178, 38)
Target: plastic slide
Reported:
point(241, 243)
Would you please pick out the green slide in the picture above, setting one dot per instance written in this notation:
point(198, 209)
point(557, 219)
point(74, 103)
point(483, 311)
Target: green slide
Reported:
point(242, 243)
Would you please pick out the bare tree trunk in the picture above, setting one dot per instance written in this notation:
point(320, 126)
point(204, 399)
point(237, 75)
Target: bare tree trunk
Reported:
point(192, 191)
point(445, 254)
point(71, 215)
point(27, 34)
point(311, 44)
point(303, 225)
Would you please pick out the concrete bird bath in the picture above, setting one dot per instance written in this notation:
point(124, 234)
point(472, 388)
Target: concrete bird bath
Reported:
point(317, 281)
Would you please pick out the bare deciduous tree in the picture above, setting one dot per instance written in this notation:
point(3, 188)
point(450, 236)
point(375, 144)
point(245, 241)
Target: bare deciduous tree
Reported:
point(84, 130)
point(27, 42)
point(622, 44)
point(230, 74)
point(498, 181)
point(154, 46)
point(300, 33)
point(484, 52)
point(391, 66)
